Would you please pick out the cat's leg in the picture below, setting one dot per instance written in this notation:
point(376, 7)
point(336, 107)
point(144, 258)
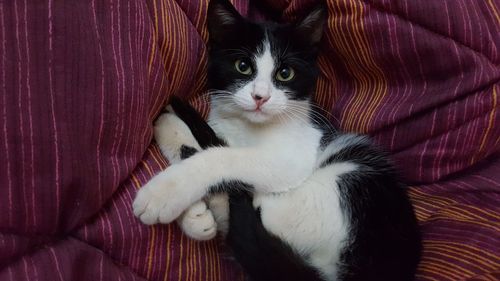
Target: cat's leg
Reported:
point(177, 142)
point(174, 138)
point(170, 192)
point(198, 222)
point(219, 205)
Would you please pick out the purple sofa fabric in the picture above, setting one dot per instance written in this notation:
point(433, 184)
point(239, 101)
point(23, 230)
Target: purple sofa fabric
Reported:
point(82, 81)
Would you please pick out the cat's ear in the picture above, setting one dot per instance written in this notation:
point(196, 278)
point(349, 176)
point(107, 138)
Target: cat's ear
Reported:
point(311, 26)
point(222, 19)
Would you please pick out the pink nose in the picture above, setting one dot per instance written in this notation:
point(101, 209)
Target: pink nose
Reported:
point(259, 100)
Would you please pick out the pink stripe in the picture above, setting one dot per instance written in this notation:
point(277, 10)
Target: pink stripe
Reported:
point(424, 90)
point(422, 154)
point(455, 48)
point(466, 23)
point(436, 164)
point(101, 270)
point(103, 230)
point(417, 55)
point(145, 24)
point(469, 24)
point(11, 277)
point(85, 233)
point(135, 250)
point(473, 138)
point(140, 99)
point(54, 124)
point(53, 253)
point(123, 91)
point(21, 127)
point(32, 150)
point(111, 237)
point(4, 113)
point(25, 268)
point(480, 35)
point(132, 105)
point(126, 205)
point(494, 183)
point(464, 113)
point(454, 150)
point(107, 229)
point(402, 101)
point(101, 112)
point(33, 266)
point(122, 229)
point(157, 100)
point(114, 154)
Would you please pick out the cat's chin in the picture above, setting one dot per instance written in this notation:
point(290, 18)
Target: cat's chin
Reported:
point(258, 117)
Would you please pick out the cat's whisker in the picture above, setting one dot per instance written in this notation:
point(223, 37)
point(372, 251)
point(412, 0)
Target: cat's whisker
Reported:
point(319, 108)
point(300, 110)
point(315, 113)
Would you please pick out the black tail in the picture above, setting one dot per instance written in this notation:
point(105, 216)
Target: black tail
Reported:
point(263, 256)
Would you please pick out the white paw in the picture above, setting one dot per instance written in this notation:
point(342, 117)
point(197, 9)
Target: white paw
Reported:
point(162, 199)
point(171, 133)
point(198, 222)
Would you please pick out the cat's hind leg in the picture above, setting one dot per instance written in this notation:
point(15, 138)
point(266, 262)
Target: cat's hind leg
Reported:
point(219, 205)
point(177, 142)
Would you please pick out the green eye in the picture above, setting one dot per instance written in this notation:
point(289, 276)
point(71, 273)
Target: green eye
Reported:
point(285, 74)
point(243, 67)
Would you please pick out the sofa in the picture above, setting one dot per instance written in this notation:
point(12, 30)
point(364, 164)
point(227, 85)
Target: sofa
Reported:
point(82, 82)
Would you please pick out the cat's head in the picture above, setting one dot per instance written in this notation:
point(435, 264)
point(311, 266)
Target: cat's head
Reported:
point(259, 71)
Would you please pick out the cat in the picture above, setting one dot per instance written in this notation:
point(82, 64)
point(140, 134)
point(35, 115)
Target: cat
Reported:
point(326, 205)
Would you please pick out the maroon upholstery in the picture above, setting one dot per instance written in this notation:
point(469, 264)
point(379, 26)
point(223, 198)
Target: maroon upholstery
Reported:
point(81, 83)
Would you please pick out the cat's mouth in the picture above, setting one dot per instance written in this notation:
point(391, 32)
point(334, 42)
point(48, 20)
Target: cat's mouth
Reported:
point(257, 115)
point(256, 110)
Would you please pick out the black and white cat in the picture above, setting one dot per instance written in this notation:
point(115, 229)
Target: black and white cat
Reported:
point(329, 206)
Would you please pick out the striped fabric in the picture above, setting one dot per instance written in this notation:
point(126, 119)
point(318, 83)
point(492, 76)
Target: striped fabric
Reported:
point(81, 83)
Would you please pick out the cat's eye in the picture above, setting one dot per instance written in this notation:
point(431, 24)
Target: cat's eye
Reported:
point(243, 66)
point(285, 74)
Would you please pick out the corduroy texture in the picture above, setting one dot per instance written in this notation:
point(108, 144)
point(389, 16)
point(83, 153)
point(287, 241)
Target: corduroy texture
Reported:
point(82, 82)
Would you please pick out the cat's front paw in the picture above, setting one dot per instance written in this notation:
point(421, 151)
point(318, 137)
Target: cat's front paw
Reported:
point(198, 222)
point(161, 200)
point(172, 134)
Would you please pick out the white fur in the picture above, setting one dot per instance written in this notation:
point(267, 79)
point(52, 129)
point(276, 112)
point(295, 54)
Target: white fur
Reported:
point(273, 150)
point(309, 218)
point(198, 222)
point(171, 133)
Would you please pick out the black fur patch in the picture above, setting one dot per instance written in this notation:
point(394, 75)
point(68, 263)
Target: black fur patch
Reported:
point(385, 240)
point(187, 151)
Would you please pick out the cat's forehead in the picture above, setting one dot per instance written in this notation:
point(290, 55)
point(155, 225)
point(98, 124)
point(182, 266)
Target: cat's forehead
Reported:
point(256, 36)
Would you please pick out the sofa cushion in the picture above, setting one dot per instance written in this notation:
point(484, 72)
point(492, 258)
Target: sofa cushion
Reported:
point(82, 82)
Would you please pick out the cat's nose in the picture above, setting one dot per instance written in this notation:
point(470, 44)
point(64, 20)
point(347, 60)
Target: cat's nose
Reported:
point(260, 99)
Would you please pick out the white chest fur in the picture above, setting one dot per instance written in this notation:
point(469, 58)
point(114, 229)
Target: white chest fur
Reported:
point(290, 147)
point(308, 217)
